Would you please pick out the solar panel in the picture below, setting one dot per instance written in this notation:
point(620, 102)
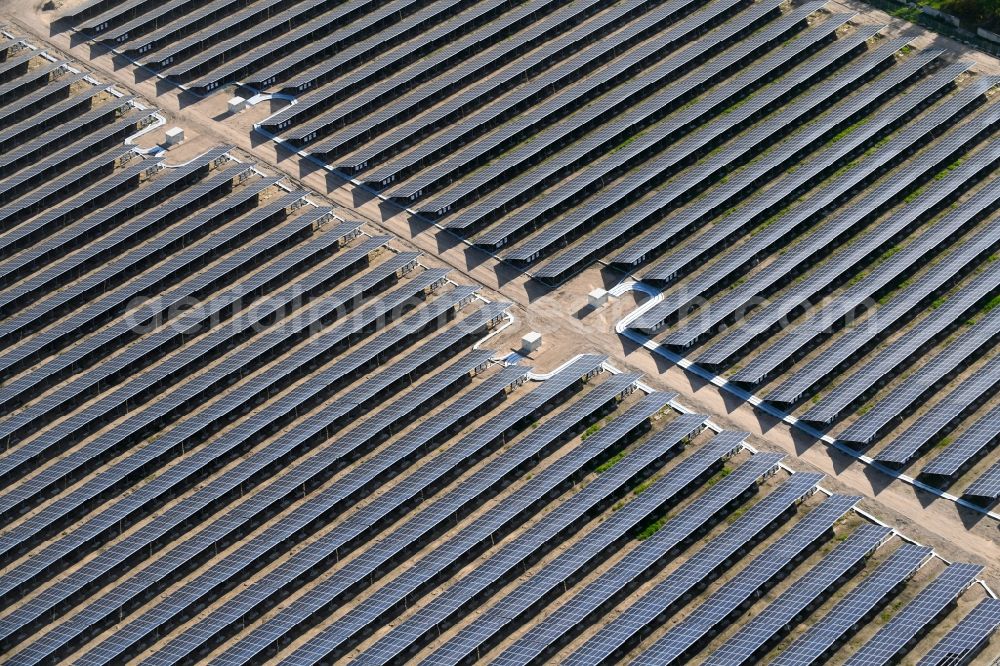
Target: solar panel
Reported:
point(249, 429)
point(979, 437)
point(337, 638)
point(125, 231)
point(885, 363)
point(465, 157)
point(359, 524)
point(6, 45)
point(60, 188)
point(805, 593)
point(685, 639)
point(575, 71)
point(21, 132)
point(278, 60)
point(283, 533)
point(89, 9)
point(913, 135)
point(143, 21)
point(855, 341)
point(987, 485)
point(613, 198)
point(188, 231)
point(875, 196)
point(42, 226)
point(903, 303)
point(231, 268)
point(843, 618)
point(79, 126)
point(262, 24)
point(26, 90)
point(514, 161)
point(582, 153)
point(825, 162)
point(17, 174)
point(16, 65)
point(53, 219)
point(112, 16)
point(867, 65)
point(573, 616)
point(131, 429)
point(247, 16)
point(365, 64)
point(380, 114)
point(122, 329)
point(967, 638)
point(530, 63)
point(352, 389)
point(651, 209)
point(895, 638)
point(943, 415)
point(953, 356)
point(180, 513)
point(578, 558)
point(370, 58)
point(835, 270)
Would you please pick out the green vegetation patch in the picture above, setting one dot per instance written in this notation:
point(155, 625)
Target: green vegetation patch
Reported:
point(610, 462)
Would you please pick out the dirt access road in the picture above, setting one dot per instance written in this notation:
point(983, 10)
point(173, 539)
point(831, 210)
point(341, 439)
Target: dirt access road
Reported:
point(560, 315)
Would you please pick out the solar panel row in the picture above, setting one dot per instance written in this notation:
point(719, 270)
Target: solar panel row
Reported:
point(843, 184)
point(861, 602)
point(765, 629)
point(859, 339)
point(903, 398)
point(205, 422)
point(579, 75)
point(194, 345)
point(659, 210)
point(653, 607)
point(616, 197)
point(107, 608)
point(585, 606)
point(320, 427)
point(338, 638)
point(943, 415)
point(836, 270)
point(433, 519)
point(506, 175)
point(572, 564)
point(580, 156)
point(964, 641)
point(548, 111)
point(916, 617)
point(123, 328)
point(115, 402)
point(967, 447)
point(280, 536)
point(825, 266)
point(986, 488)
point(684, 639)
point(865, 67)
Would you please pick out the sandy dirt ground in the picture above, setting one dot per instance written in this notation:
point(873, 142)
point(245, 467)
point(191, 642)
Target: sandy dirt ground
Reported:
point(568, 326)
